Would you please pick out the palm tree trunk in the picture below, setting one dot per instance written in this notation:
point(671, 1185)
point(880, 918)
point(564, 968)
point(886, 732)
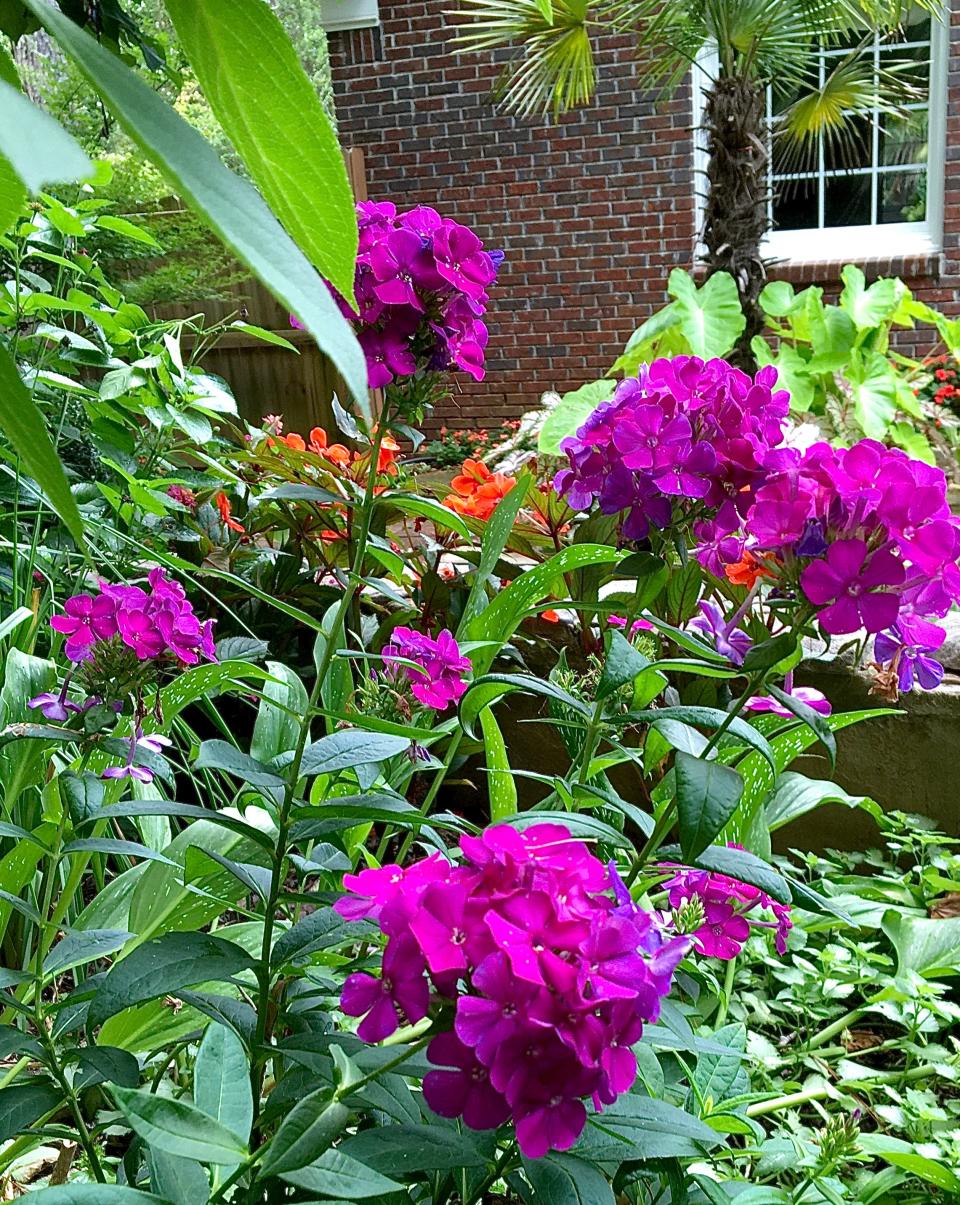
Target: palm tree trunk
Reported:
point(735, 213)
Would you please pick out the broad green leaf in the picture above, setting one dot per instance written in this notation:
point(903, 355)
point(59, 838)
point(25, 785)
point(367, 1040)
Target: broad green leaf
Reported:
point(339, 1177)
point(82, 946)
point(188, 811)
point(704, 717)
point(403, 1150)
point(707, 796)
point(22, 423)
point(710, 317)
point(780, 651)
point(777, 298)
point(221, 755)
point(350, 747)
point(15, 1041)
point(231, 207)
point(561, 1179)
point(425, 508)
point(221, 1081)
point(495, 537)
point(640, 1128)
point(180, 1181)
point(715, 1073)
point(485, 691)
point(306, 1132)
point(873, 387)
point(321, 929)
point(924, 947)
point(206, 681)
point(793, 372)
point(162, 965)
point(747, 867)
point(502, 617)
point(273, 116)
point(795, 795)
point(96, 1194)
point(277, 724)
point(832, 336)
point(906, 1156)
point(571, 412)
point(501, 788)
point(816, 722)
point(660, 335)
point(622, 664)
point(580, 824)
point(22, 1105)
point(18, 867)
point(178, 1128)
point(869, 307)
point(35, 145)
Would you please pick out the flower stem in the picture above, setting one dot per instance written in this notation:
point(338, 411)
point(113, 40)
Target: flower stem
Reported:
point(728, 978)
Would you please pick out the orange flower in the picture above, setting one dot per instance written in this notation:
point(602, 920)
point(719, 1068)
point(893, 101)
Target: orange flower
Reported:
point(388, 454)
point(746, 571)
point(550, 616)
point(222, 503)
point(334, 452)
point(295, 441)
point(477, 491)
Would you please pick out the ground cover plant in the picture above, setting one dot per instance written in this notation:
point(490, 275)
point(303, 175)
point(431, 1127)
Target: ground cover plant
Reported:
point(286, 914)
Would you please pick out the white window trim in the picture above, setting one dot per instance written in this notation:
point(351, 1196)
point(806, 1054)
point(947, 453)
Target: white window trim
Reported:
point(845, 243)
point(349, 14)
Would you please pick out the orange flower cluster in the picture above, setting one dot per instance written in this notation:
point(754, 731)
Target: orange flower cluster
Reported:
point(222, 503)
point(746, 571)
point(477, 491)
point(338, 454)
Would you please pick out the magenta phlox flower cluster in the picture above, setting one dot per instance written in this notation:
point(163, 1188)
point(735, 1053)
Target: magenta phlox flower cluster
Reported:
point(728, 906)
point(551, 977)
point(685, 431)
point(439, 681)
point(865, 533)
point(420, 293)
point(154, 623)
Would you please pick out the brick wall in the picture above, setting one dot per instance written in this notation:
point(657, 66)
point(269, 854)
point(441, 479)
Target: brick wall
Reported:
point(593, 211)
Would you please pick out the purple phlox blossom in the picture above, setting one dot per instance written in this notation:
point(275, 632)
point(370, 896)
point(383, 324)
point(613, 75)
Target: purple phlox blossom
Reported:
point(86, 619)
point(906, 648)
point(388, 355)
point(729, 640)
point(803, 694)
point(401, 993)
point(638, 625)
point(439, 681)
point(551, 976)
point(56, 706)
point(461, 260)
point(850, 585)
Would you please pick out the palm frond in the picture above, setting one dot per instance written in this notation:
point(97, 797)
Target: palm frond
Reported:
point(553, 68)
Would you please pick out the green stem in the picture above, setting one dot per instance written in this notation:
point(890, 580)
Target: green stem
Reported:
point(728, 978)
point(499, 1168)
point(431, 795)
point(263, 972)
point(836, 1027)
point(793, 1099)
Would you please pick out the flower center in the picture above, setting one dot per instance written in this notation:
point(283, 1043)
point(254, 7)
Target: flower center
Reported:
point(458, 937)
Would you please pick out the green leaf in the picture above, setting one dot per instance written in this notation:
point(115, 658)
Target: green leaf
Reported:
point(178, 1128)
point(501, 618)
point(406, 1150)
point(162, 965)
point(501, 788)
point(221, 1081)
point(769, 653)
point(495, 537)
point(704, 717)
point(106, 1064)
point(338, 1176)
point(426, 508)
point(869, 307)
point(188, 811)
point(571, 412)
point(15, 1041)
point(231, 207)
point(181, 1181)
point(82, 946)
point(559, 1179)
point(273, 116)
point(795, 795)
point(905, 1155)
point(715, 1073)
point(35, 145)
point(710, 317)
point(22, 1106)
point(483, 692)
point(622, 664)
point(82, 793)
point(277, 724)
point(924, 947)
point(816, 722)
point(348, 748)
point(308, 1130)
point(110, 845)
point(22, 423)
point(747, 867)
point(321, 929)
point(683, 591)
point(777, 298)
point(640, 1128)
point(707, 796)
point(221, 755)
point(873, 387)
point(95, 1194)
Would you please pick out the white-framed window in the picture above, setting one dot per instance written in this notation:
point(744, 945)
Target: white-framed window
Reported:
point(882, 195)
point(349, 14)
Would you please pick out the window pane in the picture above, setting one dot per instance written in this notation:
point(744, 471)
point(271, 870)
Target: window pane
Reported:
point(904, 139)
point(850, 147)
point(908, 66)
point(902, 196)
point(795, 204)
point(846, 201)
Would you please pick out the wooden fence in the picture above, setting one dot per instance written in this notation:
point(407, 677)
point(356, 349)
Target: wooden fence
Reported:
point(266, 379)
